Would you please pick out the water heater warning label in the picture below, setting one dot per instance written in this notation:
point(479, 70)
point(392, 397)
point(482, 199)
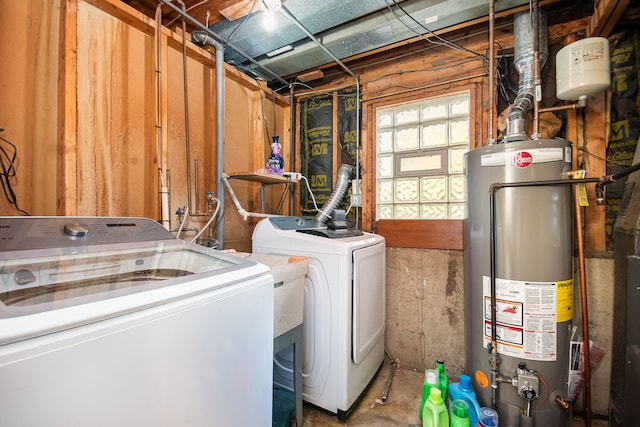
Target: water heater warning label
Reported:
point(527, 314)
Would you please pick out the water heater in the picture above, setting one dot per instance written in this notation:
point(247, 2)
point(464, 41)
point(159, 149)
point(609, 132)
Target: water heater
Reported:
point(533, 247)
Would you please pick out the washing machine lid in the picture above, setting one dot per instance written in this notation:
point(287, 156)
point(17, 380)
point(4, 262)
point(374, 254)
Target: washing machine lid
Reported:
point(65, 262)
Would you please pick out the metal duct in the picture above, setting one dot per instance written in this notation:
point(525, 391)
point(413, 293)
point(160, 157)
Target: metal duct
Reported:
point(338, 193)
point(345, 28)
point(524, 30)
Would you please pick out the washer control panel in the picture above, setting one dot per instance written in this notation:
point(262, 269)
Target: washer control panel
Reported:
point(28, 233)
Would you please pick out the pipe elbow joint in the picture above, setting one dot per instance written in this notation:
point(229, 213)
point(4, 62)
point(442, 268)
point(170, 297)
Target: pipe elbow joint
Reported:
point(243, 213)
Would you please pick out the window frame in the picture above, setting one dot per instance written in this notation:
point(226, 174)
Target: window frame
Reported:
point(416, 233)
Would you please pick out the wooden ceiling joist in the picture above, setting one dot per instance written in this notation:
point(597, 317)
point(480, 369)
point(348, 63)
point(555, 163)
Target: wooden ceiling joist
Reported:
point(605, 15)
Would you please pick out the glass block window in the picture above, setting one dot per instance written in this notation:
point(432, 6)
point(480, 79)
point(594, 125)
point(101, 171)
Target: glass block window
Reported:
point(420, 149)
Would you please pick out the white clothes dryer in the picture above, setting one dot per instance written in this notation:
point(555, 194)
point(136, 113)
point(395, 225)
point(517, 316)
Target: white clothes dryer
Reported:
point(344, 306)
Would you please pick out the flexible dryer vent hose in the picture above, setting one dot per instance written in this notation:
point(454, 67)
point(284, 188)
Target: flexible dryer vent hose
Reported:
point(338, 193)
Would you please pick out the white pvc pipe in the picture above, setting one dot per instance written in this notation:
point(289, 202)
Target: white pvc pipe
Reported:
point(164, 197)
point(243, 212)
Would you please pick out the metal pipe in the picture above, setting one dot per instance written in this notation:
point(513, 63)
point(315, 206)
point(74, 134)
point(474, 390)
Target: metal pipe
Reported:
point(220, 141)
point(581, 103)
point(219, 96)
point(163, 193)
point(492, 124)
point(537, 89)
point(168, 184)
point(524, 58)
point(387, 387)
point(185, 89)
point(219, 40)
point(585, 311)
point(563, 403)
point(196, 187)
point(292, 164)
point(157, 36)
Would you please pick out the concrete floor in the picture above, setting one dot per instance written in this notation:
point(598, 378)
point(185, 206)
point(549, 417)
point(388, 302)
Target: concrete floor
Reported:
point(400, 409)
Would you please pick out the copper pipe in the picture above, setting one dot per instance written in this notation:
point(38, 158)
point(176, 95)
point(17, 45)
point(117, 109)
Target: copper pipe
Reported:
point(535, 134)
point(536, 71)
point(563, 403)
point(582, 102)
point(585, 315)
point(492, 118)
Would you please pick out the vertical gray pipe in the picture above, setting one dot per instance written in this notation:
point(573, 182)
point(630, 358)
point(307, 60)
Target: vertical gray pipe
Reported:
point(220, 141)
point(292, 163)
point(204, 39)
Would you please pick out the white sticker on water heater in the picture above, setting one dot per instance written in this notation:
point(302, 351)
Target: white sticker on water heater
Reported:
point(526, 321)
point(514, 158)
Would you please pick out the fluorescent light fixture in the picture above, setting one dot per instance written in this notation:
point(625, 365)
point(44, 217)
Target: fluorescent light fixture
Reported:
point(279, 51)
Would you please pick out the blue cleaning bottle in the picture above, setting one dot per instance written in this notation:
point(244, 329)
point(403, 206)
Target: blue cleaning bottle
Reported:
point(464, 391)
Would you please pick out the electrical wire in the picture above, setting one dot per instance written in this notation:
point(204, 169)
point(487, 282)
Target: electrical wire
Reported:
point(315, 205)
point(505, 85)
point(442, 41)
point(8, 171)
point(241, 22)
point(264, 114)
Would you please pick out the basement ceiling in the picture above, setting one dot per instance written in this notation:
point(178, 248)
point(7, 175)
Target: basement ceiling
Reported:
point(283, 49)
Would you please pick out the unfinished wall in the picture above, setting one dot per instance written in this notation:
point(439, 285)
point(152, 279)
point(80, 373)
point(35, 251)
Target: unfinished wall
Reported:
point(28, 112)
point(116, 119)
point(82, 85)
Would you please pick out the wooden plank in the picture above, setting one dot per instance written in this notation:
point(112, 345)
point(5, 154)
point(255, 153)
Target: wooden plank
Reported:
point(67, 110)
point(605, 16)
point(432, 234)
point(125, 13)
point(234, 9)
point(596, 132)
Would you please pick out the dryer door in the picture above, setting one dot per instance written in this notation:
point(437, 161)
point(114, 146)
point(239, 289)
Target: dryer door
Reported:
point(369, 279)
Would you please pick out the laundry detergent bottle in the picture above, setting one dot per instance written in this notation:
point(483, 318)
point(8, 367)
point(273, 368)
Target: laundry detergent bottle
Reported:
point(430, 381)
point(459, 414)
point(435, 411)
point(464, 391)
point(442, 379)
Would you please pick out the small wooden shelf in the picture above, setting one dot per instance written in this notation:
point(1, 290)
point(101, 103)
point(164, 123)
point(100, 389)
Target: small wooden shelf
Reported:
point(261, 177)
point(264, 179)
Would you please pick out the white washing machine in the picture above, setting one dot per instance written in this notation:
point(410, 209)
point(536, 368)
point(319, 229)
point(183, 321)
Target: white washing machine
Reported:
point(115, 322)
point(344, 306)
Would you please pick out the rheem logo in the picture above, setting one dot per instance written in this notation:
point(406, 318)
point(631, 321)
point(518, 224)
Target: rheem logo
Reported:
point(522, 159)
